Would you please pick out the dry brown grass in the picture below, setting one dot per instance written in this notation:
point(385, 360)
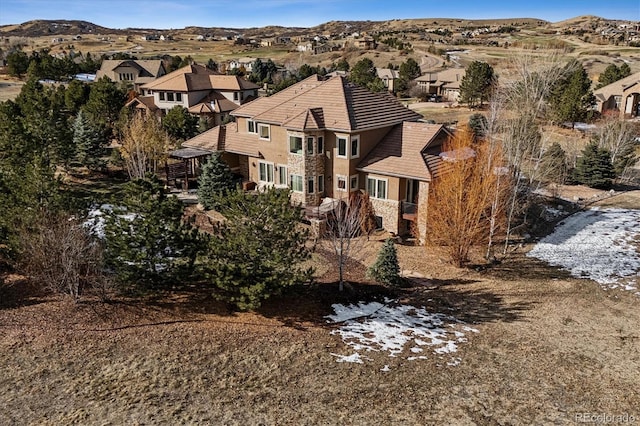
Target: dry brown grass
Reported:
point(549, 347)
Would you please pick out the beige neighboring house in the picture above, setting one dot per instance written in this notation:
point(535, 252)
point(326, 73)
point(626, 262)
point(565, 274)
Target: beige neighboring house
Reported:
point(622, 96)
point(202, 91)
point(445, 83)
point(136, 72)
point(327, 138)
point(388, 77)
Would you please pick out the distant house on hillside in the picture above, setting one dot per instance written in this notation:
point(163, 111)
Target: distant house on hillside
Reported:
point(135, 72)
point(622, 96)
point(388, 77)
point(444, 83)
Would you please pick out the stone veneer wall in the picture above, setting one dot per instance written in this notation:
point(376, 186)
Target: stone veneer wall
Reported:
point(243, 163)
point(389, 210)
point(306, 166)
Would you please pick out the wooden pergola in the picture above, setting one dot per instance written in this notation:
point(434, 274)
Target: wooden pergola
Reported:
point(186, 167)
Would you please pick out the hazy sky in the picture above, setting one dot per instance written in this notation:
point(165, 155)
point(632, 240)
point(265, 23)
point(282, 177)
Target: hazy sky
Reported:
point(303, 13)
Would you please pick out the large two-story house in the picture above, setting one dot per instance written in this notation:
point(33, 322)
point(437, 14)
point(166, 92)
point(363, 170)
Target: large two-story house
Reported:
point(329, 138)
point(200, 90)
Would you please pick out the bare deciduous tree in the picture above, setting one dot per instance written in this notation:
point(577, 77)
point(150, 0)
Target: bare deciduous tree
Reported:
point(144, 144)
point(465, 208)
point(345, 228)
point(60, 255)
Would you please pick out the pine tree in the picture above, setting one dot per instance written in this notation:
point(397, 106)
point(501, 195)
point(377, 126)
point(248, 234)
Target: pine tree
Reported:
point(477, 83)
point(594, 168)
point(216, 181)
point(257, 251)
point(146, 239)
point(386, 269)
point(89, 142)
point(180, 124)
point(572, 98)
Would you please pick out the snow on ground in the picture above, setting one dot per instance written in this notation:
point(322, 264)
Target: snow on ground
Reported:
point(381, 327)
point(597, 244)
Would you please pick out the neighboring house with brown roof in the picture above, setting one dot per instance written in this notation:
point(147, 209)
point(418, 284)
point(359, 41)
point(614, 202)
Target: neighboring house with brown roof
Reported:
point(328, 138)
point(136, 72)
point(388, 77)
point(621, 96)
point(444, 83)
point(202, 91)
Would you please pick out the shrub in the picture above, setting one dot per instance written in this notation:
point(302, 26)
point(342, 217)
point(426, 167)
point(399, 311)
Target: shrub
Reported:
point(386, 269)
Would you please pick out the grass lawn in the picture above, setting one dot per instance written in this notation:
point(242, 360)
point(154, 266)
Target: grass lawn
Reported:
point(548, 347)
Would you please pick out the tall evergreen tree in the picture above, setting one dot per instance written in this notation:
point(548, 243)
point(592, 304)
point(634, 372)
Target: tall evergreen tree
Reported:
point(216, 181)
point(364, 74)
point(594, 168)
point(571, 98)
point(258, 250)
point(477, 84)
point(89, 142)
point(105, 101)
point(386, 269)
point(180, 124)
point(146, 239)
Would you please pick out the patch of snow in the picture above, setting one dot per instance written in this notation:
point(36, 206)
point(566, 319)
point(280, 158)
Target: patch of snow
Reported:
point(598, 244)
point(349, 358)
point(385, 368)
point(377, 327)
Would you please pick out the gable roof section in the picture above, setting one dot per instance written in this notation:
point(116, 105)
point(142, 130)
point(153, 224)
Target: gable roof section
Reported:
point(617, 88)
point(193, 78)
point(230, 82)
point(409, 150)
point(224, 138)
point(148, 70)
point(336, 104)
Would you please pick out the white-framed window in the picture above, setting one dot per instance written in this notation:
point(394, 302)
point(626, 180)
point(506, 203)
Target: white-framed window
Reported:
point(161, 96)
point(235, 96)
point(295, 144)
point(310, 143)
point(320, 149)
point(320, 184)
point(618, 101)
point(341, 183)
point(265, 171)
point(377, 188)
point(251, 127)
point(342, 147)
point(296, 183)
point(353, 182)
point(310, 185)
point(355, 147)
point(282, 175)
point(264, 131)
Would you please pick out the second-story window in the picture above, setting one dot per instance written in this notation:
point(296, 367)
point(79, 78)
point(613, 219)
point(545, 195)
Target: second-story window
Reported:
point(170, 97)
point(310, 143)
point(263, 131)
point(320, 149)
point(295, 144)
point(161, 96)
point(178, 97)
point(355, 147)
point(251, 127)
point(342, 147)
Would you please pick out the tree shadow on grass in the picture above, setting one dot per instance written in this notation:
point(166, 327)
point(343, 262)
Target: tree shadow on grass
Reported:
point(458, 298)
point(520, 267)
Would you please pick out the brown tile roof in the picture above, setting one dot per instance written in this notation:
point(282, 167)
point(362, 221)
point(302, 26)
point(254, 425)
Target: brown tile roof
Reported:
point(225, 138)
point(231, 82)
point(213, 102)
point(148, 70)
point(196, 78)
point(143, 102)
point(344, 106)
point(409, 150)
point(617, 88)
